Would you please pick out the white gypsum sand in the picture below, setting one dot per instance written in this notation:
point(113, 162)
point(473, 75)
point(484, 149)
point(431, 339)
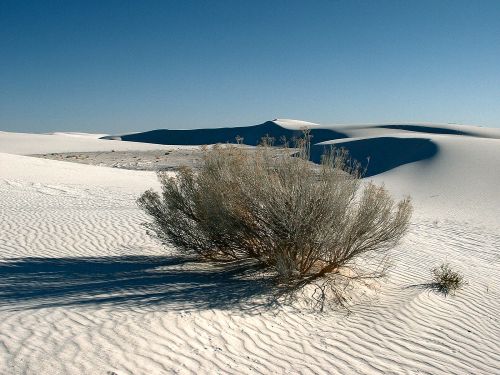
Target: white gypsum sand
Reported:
point(461, 181)
point(84, 290)
point(28, 144)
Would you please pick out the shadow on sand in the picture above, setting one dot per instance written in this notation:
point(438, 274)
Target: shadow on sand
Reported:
point(384, 153)
point(431, 288)
point(381, 154)
point(173, 282)
point(252, 135)
point(427, 129)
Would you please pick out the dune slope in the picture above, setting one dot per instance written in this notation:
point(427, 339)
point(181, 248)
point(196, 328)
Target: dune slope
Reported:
point(251, 135)
point(84, 289)
point(28, 144)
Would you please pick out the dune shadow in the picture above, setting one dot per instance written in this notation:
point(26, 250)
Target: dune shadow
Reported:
point(251, 135)
point(427, 129)
point(381, 154)
point(174, 283)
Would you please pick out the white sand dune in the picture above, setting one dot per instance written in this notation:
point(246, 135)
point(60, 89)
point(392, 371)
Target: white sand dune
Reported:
point(295, 124)
point(364, 130)
point(84, 290)
point(458, 178)
point(462, 181)
point(79, 134)
point(26, 143)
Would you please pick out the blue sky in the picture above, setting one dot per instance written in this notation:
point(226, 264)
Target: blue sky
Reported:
point(118, 66)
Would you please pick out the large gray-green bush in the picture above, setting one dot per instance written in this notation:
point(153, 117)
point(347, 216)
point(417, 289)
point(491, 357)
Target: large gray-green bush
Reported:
point(302, 221)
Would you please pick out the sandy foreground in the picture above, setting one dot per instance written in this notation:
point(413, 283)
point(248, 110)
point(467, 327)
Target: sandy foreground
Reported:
point(84, 289)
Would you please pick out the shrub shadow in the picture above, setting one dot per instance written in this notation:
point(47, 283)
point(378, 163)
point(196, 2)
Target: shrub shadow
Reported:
point(175, 283)
point(431, 287)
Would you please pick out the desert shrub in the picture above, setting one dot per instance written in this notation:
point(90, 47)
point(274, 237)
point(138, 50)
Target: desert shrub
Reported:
point(447, 280)
point(302, 221)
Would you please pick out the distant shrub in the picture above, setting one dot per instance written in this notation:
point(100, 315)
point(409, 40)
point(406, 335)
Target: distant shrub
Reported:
point(446, 280)
point(302, 221)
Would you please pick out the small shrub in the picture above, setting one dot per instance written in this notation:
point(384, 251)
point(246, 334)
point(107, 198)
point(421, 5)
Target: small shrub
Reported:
point(446, 280)
point(299, 220)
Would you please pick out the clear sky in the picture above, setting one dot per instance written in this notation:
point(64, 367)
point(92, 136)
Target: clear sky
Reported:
point(118, 66)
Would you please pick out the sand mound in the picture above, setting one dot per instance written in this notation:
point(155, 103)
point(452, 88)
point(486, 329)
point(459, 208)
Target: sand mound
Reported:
point(251, 135)
point(28, 144)
point(84, 290)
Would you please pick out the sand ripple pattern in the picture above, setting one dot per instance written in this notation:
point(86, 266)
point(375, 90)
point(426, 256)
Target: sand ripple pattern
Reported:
point(78, 296)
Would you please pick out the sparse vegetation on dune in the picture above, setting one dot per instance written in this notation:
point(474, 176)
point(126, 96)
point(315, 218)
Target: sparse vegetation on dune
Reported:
point(302, 221)
point(446, 280)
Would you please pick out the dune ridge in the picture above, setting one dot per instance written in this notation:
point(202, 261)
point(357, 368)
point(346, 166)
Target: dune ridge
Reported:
point(251, 135)
point(84, 289)
point(386, 146)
